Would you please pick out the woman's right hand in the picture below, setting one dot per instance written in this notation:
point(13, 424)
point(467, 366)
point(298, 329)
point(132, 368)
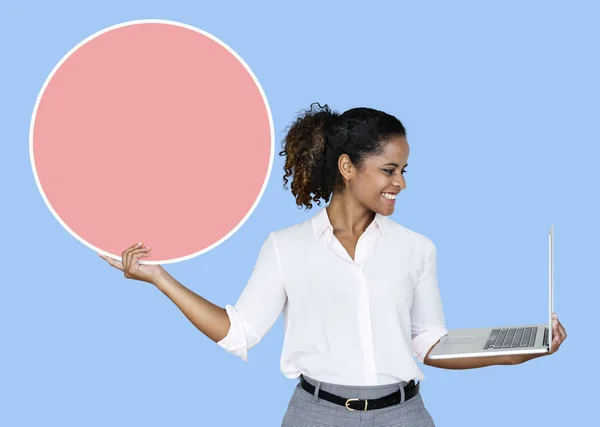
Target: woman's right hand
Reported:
point(134, 270)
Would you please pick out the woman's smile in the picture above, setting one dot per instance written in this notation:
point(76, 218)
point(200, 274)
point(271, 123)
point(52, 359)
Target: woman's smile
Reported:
point(389, 197)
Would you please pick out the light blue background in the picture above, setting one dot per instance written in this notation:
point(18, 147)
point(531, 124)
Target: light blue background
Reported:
point(501, 107)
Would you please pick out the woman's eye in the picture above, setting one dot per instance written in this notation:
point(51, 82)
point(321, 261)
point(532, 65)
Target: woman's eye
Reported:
point(389, 171)
point(404, 171)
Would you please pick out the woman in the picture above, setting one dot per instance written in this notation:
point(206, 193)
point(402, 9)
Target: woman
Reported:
point(358, 291)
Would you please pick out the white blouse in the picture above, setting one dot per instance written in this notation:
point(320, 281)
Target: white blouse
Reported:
point(350, 322)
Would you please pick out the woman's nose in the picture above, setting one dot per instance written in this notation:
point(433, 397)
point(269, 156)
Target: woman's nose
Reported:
point(400, 183)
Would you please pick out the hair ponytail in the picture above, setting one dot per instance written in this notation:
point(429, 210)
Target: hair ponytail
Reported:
point(305, 148)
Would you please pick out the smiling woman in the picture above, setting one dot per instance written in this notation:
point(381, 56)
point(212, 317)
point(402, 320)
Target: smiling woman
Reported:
point(357, 290)
point(353, 325)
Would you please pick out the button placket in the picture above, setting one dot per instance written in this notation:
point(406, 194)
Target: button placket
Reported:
point(366, 327)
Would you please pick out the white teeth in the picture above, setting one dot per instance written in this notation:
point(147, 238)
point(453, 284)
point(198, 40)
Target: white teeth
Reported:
point(389, 196)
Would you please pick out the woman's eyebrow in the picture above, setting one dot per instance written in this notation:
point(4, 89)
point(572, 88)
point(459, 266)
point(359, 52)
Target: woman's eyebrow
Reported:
point(394, 164)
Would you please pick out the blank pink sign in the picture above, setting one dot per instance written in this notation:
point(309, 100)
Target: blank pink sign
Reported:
point(152, 131)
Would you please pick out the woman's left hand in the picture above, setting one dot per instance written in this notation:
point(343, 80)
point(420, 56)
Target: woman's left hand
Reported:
point(559, 335)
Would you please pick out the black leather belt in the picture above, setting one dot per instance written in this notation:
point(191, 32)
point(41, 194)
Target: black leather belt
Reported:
point(410, 391)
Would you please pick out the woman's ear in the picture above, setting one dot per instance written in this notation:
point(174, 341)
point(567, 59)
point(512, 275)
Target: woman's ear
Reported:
point(346, 167)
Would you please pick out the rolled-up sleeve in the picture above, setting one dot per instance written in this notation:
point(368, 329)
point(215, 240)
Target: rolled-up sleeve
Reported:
point(427, 314)
point(259, 305)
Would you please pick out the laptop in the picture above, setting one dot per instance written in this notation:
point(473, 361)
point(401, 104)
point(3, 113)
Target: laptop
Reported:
point(502, 340)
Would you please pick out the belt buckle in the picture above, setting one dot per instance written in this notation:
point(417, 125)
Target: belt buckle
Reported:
point(350, 400)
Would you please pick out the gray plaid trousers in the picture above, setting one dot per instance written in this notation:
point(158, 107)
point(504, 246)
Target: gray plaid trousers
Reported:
point(306, 410)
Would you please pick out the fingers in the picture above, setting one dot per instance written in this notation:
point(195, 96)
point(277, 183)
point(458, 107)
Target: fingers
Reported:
point(558, 327)
point(136, 255)
point(559, 333)
point(129, 256)
point(562, 330)
point(137, 245)
point(126, 256)
point(126, 252)
point(116, 264)
point(556, 341)
point(140, 252)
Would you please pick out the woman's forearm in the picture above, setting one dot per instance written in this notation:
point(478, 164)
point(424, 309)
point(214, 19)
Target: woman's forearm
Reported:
point(209, 318)
point(470, 362)
point(478, 362)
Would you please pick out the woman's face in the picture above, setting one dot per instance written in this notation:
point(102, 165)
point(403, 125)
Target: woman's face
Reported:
point(380, 178)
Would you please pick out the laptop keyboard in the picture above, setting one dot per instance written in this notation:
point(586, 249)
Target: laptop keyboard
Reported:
point(511, 338)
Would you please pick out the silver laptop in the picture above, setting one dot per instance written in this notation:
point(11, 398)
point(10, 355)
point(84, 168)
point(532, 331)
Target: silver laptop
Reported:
point(502, 340)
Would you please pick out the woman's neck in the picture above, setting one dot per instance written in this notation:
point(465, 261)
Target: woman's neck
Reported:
point(348, 216)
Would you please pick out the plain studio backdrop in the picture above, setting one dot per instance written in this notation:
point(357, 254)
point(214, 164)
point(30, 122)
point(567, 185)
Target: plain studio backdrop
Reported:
point(500, 103)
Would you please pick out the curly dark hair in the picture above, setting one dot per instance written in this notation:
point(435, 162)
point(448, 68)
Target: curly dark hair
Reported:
point(319, 136)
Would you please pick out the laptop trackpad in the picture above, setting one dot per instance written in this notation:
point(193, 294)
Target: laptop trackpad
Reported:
point(462, 340)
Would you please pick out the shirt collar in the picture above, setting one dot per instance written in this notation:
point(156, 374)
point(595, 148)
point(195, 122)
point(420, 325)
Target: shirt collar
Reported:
point(320, 223)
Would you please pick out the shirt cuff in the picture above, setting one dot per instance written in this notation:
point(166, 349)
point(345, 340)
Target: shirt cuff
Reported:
point(422, 343)
point(235, 341)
